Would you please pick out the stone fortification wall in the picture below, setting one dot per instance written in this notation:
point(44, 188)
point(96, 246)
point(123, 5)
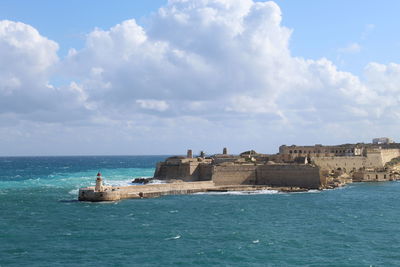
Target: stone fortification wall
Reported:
point(304, 176)
point(389, 154)
point(242, 174)
point(187, 171)
point(205, 172)
point(234, 174)
point(344, 163)
point(280, 175)
point(375, 159)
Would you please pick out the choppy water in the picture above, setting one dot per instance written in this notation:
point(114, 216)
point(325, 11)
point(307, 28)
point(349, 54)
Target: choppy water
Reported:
point(41, 224)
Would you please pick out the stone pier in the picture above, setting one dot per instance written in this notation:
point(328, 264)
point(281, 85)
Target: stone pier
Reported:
point(115, 193)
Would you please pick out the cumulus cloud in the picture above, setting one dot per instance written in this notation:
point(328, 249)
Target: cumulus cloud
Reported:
point(27, 62)
point(197, 65)
point(26, 58)
point(231, 56)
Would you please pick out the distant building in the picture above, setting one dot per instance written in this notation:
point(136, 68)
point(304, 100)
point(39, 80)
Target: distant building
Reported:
point(289, 153)
point(382, 141)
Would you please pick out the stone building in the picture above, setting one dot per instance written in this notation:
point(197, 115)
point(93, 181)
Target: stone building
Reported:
point(373, 176)
point(290, 153)
point(382, 141)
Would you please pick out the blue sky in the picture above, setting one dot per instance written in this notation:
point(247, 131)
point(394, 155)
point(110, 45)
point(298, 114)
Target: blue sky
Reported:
point(67, 22)
point(147, 80)
point(320, 28)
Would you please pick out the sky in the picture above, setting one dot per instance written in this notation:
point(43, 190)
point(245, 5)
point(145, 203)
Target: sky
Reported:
point(159, 77)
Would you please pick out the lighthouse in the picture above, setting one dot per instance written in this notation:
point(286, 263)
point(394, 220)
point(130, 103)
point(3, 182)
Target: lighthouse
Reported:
point(99, 183)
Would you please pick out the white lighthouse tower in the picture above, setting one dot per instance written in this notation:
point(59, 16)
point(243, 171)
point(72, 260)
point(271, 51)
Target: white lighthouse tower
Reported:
point(99, 183)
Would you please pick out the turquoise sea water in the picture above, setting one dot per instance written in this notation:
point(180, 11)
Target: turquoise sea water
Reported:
point(41, 224)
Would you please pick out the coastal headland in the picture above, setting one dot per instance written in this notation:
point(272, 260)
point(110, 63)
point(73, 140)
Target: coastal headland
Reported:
point(293, 169)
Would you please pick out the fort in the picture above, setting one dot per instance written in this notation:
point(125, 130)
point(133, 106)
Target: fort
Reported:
point(294, 168)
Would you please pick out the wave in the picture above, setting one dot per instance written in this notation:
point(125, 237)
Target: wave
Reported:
point(173, 238)
point(74, 192)
point(118, 182)
point(258, 192)
point(72, 180)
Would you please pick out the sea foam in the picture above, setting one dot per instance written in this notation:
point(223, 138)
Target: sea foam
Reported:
point(258, 192)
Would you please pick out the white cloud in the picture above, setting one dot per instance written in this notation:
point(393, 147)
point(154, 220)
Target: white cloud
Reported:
point(219, 65)
point(28, 60)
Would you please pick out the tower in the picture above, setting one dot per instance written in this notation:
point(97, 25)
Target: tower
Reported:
point(99, 183)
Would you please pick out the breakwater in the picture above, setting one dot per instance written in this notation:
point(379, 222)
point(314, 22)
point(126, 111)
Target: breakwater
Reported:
point(115, 193)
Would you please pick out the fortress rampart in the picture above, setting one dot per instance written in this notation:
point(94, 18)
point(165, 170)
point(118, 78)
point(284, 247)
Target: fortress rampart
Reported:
point(234, 174)
point(304, 176)
point(374, 159)
point(280, 175)
point(302, 166)
point(294, 168)
point(186, 171)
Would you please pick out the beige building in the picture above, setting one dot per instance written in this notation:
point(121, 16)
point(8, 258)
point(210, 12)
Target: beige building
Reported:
point(289, 153)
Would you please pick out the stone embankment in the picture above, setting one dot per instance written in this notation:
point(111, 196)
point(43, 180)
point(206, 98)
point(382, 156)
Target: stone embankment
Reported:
point(115, 193)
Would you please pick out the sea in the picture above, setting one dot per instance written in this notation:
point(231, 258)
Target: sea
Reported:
point(43, 224)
